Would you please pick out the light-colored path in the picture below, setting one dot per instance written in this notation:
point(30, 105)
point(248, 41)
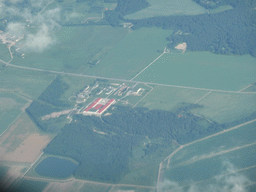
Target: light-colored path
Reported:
point(150, 64)
point(199, 140)
point(124, 80)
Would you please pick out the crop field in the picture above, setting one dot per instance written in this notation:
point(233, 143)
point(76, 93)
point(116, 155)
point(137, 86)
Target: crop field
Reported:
point(23, 142)
point(165, 8)
point(133, 53)
point(11, 106)
point(28, 83)
point(167, 98)
point(222, 155)
point(202, 70)
point(74, 48)
point(227, 107)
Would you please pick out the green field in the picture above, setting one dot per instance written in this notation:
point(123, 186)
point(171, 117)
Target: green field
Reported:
point(170, 7)
point(74, 48)
point(28, 83)
point(202, 70)
point(11, 106)
point(132, 53)
point(167, 98)
point(208, 159)
point(227, 107)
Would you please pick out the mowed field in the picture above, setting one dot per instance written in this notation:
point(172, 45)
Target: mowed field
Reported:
point(216, 161)
point(227, 107)
point(11, 106)
point(202, 70)
point(28, 83)
point(73, 48)
point(168, 98)
point(170, 7)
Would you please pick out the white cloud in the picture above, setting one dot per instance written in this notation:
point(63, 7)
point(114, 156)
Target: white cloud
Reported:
point(229, 181)
point(38, 28)
point(40, 41)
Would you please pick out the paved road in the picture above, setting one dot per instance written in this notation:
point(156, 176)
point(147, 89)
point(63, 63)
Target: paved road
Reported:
point(116, 79)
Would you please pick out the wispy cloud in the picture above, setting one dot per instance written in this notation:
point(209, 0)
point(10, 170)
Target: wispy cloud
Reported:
point(230, 180)
point(36, 23)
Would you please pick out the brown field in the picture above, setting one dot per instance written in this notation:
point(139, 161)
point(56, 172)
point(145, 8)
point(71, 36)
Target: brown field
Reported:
point(65, 187)
point(22, 142)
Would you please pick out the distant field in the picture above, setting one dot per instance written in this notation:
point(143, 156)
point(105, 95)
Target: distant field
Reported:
point(210, 158)
point(28, 83)
point(202, 70)
point(4, 52)
point(132, 53)
point(23, 142)
point(74, 48)
point(170, 7)
point(166, 98)
point(227, 107)
point(11, 106)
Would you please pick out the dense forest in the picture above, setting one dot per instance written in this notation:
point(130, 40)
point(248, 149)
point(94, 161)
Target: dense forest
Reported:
point(228, 32)
point(103, 146)
point(232, 31)
point(49, 101)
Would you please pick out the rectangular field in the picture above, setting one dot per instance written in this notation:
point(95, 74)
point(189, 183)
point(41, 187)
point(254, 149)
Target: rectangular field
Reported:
point(25, 82)
point(74, 48)
point(227, 107)
point(165, 8)
point(132, 53)
point(202, 70)
point(167, 98)
point(11, 106)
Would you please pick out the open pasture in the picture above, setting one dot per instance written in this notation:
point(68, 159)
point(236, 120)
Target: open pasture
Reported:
point(202, 70)
point(170, 7)
point(25, 82)
point(227, 107)
point(132, 53)
point(22, 142)
point(74, 48)
point(11, 106)
point(232, 152)
point(167, 98)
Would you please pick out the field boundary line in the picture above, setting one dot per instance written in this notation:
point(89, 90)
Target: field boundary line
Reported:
point(124, 80)
point(245, 88)
point(33, 163)
point(143, 96)
point(150, 64)
point(199, 140)
point(203, 97)
point(221, 132)
point(236, 171)
point(205, 156)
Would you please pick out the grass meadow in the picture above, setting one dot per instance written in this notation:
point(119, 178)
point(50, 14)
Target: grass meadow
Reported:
point(74, 48)
point(165, 8)
point(202, 70)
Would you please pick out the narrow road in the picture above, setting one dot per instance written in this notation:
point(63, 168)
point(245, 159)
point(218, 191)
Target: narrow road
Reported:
point(124, 80)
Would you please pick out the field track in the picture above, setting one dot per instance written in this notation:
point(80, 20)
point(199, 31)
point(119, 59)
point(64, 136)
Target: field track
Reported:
point(115, 79)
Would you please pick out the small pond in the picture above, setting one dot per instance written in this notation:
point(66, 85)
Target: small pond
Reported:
point(56, 167)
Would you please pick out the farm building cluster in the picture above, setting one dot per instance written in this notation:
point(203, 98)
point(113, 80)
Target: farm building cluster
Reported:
point(98, 106)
